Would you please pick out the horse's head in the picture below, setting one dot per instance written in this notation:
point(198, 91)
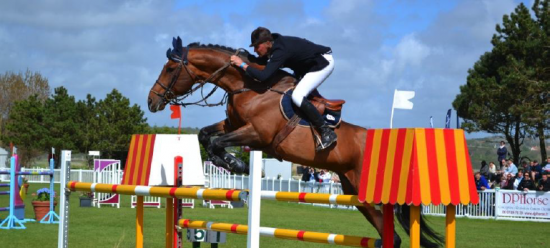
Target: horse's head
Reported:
point(174, 80)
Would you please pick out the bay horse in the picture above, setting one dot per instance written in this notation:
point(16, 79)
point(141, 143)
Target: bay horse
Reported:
point(254, 119)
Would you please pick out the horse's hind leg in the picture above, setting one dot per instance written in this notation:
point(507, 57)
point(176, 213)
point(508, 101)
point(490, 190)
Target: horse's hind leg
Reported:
point(246, 135)
point(371, 214)
point(205, 138)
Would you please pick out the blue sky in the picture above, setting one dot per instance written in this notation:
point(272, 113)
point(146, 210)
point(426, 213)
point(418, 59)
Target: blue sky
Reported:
point(379, 46)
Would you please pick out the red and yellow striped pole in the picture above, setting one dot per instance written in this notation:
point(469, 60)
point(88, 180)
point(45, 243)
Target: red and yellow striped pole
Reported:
point(306, 236)
point(350, 200)
point(166, 192)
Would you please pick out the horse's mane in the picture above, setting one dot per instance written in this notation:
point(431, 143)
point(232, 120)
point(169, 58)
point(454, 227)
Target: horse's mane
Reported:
point(243, 53)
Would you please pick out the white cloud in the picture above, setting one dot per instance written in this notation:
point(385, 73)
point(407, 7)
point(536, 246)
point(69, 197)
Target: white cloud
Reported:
point(95, 46)
point(411, 52)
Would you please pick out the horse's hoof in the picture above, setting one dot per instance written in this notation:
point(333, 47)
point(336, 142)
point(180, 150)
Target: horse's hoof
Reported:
point(237, 166)
point(220, 163)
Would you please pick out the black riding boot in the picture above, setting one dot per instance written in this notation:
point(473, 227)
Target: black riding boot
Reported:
point(328, 136)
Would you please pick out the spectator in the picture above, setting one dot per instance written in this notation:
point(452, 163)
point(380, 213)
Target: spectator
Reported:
point(502, 152)
point(519, 178)
point(311, 176)
point(526, 184)
point(335, 178)
point(526, 167)
point(546, 167)
point(509, 182)
point(536, 170)
point(510, 168)
point(305, 173)
point(324, 176)
point(481, 182)
point(484, 170)
point(544, 183)
point(503, 182)
point(492, 171)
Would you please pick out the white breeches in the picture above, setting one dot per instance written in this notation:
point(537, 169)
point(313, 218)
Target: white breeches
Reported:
point(312, 80)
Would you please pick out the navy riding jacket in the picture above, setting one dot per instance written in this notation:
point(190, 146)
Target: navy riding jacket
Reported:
point(300, 55)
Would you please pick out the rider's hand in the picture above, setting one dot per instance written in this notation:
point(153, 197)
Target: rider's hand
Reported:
point(236, 61)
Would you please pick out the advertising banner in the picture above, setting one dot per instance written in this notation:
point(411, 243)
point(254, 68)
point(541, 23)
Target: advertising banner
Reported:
point(522, 204)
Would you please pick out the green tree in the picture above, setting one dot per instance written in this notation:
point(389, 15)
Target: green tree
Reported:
point(19, 86)
point(25, 128)
point(61, 118)
point(115, 122)
point(507, 89)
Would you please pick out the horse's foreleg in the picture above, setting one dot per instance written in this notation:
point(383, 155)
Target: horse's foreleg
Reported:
point(205, 138)
point(246, 135)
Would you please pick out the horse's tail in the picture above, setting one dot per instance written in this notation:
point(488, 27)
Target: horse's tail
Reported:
point(428, 237)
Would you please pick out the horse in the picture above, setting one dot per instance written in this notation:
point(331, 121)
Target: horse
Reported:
point(254, 119)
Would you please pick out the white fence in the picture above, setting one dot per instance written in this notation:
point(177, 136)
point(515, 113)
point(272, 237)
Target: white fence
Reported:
point(220, 178)
point(76, 175)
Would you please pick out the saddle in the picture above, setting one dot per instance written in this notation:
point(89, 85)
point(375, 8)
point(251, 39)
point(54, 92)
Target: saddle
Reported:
point(322, 103)
point(328, 108)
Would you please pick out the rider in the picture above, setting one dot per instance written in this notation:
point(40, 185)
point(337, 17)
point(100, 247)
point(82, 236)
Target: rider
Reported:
point(311, 62)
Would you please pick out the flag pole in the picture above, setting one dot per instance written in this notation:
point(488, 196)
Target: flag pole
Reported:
point(392, 107)
point(179, 126)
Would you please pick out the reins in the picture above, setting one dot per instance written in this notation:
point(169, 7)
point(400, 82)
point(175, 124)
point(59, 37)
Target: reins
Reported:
point(170, 98)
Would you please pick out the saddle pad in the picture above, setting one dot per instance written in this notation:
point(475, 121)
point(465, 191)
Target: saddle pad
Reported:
point(288, 110)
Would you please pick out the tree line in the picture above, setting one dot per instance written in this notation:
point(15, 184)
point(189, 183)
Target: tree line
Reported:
point(35, 121)
point(507, 90)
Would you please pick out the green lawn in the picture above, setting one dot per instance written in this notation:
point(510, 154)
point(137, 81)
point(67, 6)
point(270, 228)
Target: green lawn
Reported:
point(111, 227)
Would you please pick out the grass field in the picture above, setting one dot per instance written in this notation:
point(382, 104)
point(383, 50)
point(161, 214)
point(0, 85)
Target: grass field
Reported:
point(111, 227)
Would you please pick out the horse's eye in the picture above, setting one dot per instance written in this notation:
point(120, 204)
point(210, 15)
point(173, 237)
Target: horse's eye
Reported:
point(169, 69)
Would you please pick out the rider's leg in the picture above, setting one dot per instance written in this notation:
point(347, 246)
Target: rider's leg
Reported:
point(309, 82)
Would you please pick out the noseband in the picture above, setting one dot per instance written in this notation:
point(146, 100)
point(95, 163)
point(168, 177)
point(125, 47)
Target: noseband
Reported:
point(170, 97)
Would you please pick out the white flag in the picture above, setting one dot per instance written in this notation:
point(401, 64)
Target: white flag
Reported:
point(401, 99)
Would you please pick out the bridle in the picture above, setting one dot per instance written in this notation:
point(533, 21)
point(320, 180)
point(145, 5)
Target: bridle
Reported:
point(170, 97)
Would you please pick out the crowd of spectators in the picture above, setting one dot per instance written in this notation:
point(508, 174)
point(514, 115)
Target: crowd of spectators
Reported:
point(310, 174)
point(529, 176)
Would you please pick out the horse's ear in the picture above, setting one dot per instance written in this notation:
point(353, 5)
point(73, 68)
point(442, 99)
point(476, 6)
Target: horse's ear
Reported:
point(180, 44)
point(174, 43)
point(169, 53)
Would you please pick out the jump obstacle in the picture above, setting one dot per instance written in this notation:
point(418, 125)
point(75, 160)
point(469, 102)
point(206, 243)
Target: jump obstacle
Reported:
point(16, 209)
point(403, 166)
point(107, 171)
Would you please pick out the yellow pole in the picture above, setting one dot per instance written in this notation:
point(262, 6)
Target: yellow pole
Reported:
point(450, 227)
point(169, 222)
point(415, 227)
point(139, 222)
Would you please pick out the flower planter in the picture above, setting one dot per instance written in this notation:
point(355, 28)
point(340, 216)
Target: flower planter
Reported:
point(85, 202)
point(41, 208)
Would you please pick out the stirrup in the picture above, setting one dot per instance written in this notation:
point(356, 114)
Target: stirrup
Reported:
point(322, 146)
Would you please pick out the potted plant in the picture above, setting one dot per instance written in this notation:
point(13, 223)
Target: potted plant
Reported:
point(86, 199)
point(41, 203)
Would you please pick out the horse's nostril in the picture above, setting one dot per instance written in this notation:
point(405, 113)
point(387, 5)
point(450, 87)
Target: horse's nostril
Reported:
point(149, 101)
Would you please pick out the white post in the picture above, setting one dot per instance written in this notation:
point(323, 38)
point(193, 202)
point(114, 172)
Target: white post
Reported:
point(254, 199)
point(62, 238)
